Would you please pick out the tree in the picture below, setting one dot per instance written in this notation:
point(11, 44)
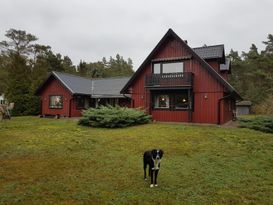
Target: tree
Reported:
point(68, 65)
point(19, 42)
point(119, 67)
point(82, 68)
point(24, 66)
point(113, 67)
point(269, 45)
point(18, 84)
point(3, 73)
point(252, 74)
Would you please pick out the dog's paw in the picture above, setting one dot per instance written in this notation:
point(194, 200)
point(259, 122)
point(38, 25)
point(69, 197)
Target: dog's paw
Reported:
point(156, 184)
point(151, 186)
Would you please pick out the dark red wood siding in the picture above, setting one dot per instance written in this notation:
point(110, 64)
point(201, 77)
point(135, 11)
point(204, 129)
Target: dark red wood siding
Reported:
point(207, 90)
point(55, 87)
point(216, 66)
point(75, 112)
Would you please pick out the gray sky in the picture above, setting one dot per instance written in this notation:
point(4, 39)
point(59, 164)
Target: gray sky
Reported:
point(89, 29)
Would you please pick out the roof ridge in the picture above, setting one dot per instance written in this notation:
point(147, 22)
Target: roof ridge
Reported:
point(114, 77)
point(89, 78)
point(209, 46)
point(56, 72)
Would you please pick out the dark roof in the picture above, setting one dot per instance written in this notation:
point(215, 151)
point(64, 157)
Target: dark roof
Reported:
point(210, 52)
point(171, 33)
point(244, 103)
point(105, 87)
point(75, 84)
point(109, 87)
point(226, 65)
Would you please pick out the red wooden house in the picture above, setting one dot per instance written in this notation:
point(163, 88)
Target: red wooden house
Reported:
point(67, 95)
point(180, 84)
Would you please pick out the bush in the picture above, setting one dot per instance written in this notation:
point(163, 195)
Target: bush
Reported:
point(108, 116)
point(264, 124)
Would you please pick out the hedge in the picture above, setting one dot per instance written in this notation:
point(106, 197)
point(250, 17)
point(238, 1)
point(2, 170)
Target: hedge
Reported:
point(112, 117)
point(263, 123)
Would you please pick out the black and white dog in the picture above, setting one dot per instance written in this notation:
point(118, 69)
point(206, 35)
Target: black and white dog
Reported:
point(152, 158)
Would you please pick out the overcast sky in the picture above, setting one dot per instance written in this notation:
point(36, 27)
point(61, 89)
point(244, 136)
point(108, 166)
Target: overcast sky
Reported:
point(89, 29)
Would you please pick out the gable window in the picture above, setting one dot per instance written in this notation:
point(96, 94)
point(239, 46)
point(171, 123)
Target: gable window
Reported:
point(168, 67)
point(176, 67)
point(56, 101)
point(161, 101)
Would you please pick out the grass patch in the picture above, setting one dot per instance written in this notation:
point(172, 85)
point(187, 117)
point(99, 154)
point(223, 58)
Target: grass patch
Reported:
point(49, 161)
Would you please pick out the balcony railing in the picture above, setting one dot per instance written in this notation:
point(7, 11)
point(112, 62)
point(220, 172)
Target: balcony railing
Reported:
point(169, 80)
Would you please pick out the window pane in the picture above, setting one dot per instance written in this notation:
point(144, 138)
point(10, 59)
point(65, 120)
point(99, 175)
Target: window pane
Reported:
point(156, 68)
point(56, 101)
point(162, 101)
point(181, 101)
point(177, 67)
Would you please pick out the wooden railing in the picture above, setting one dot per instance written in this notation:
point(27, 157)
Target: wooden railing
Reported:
point(169, 80)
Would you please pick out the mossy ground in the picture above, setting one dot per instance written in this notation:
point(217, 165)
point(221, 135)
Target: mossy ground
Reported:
point(49, 161)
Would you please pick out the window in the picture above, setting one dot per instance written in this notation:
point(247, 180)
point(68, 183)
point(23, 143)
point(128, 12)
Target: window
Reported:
point(172, 67)
point(173, 100)
point(80, 102)
point(168, 67)
point(157, 68)
point(55, 101)
point(181, 101)
point(161, 101)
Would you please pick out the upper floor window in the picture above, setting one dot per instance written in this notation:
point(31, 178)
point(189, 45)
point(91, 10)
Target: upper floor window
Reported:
point(168, 67)
point(157, 68)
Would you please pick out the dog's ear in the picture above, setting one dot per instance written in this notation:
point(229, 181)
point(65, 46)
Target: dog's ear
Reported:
point(161, 152)
point(154, 151)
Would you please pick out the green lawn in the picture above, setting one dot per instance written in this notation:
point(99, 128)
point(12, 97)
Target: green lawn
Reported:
point(49, 161)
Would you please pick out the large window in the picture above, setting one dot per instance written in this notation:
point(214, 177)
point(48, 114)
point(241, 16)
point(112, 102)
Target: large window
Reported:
point(161, 101)
point(178, 100)
point(56, 101)
point(168, 67)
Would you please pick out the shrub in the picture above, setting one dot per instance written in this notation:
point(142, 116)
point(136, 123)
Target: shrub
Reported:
point(108, 116)
point(264, 124)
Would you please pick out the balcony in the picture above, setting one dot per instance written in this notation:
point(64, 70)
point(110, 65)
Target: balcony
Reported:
point(169, 80)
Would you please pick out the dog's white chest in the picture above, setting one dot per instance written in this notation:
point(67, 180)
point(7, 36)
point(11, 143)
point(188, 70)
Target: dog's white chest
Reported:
point(156, 164)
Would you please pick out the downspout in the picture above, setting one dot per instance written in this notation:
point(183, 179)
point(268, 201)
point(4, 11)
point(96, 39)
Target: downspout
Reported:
point(131, 100)
point(219, 108)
